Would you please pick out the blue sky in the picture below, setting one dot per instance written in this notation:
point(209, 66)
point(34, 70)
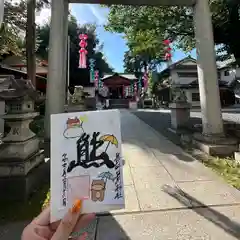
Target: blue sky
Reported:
point(114, 44)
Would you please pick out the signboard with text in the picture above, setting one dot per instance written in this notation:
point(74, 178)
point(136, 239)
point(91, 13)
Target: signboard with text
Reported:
point(86, 162)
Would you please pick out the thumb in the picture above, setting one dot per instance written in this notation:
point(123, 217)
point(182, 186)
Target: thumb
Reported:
point(43, 219)
point(68, 222)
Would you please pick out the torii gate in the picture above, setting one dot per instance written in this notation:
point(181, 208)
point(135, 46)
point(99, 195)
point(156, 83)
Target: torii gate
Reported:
point(207, 70)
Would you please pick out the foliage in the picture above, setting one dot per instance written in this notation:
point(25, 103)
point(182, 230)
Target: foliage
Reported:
point(12, 30)
point(146, 26)
point(228, 168)
point(77, 76)
point(14, 23)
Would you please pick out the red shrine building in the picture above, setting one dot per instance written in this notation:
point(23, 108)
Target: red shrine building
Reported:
point(119, 89)
point(119, 85)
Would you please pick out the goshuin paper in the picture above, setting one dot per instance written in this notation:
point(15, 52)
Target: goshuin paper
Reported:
point(86, 162)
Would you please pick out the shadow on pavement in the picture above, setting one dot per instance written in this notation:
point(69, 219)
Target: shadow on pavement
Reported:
point(208, 213)
point(108, 229)
point(161, 122)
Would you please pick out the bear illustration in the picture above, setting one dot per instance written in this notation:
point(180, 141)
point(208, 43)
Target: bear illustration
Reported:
point(98, 190)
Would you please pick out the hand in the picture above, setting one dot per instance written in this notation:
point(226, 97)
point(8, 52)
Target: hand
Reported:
point(41, 228)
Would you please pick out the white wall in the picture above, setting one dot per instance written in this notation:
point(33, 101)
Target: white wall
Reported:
point(182, 80)
point(231, 77)
point(188, 93)
point(187, 80)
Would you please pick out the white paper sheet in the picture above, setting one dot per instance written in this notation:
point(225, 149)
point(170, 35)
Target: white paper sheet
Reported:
point(86, 162)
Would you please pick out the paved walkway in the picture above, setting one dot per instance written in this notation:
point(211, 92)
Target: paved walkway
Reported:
point(169, 195)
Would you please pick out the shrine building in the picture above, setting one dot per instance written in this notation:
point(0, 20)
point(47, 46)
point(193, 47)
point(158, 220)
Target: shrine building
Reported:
point(119, 85)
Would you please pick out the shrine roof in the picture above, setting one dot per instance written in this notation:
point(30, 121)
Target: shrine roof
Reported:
point(15, 72)
point(128, 76)
point(11, 88)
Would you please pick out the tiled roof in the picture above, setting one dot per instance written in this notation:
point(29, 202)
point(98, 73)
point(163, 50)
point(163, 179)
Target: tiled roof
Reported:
point(226, 63)
point(126, 75)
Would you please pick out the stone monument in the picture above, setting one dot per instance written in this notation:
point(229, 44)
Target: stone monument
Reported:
point(76, 101)
point(22, 166)
point(180, 110)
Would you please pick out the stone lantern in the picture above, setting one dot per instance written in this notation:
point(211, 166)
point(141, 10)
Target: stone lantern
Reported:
point(76, 100)
point(180, 110)
point(21, 161)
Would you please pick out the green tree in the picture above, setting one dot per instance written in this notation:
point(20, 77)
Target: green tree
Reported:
point(19, 19)
point(176, 23)
point(13, 29)
point(14, 24)
point(77, 76)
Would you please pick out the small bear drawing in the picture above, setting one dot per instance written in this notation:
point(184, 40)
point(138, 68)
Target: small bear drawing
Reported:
point(98, 190)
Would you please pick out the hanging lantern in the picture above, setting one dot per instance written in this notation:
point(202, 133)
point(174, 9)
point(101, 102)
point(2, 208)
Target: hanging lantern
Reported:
point(167, 50)
point(92, 73)
point(83, 52)
point(168, 56)
point(96, 76)
point(166, 42)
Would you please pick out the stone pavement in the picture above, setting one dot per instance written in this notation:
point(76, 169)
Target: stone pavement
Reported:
point(169, 195)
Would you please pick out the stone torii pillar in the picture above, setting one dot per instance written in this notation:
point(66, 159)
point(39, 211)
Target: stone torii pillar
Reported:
point(207, 70)
point(212, 140)
point(57, 70)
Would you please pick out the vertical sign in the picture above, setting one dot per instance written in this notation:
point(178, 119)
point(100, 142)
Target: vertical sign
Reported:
point(92, 73)
point(145, 79)
point(135, 89)
point(96, 79)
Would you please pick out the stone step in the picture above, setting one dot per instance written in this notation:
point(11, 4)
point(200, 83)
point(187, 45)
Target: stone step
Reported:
point(118, 106)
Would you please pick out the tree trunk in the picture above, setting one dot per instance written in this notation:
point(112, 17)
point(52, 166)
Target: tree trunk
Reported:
point(31, 41)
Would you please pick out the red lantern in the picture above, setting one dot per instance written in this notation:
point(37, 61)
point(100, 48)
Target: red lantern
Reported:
point(168, 50)
point(83, 52)
point(166, 42)
point(168, 56)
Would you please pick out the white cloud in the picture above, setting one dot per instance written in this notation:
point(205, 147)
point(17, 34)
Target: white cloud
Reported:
point(101, 19)
point(74, 9)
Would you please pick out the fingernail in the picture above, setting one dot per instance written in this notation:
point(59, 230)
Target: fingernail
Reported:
point(76, 206)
